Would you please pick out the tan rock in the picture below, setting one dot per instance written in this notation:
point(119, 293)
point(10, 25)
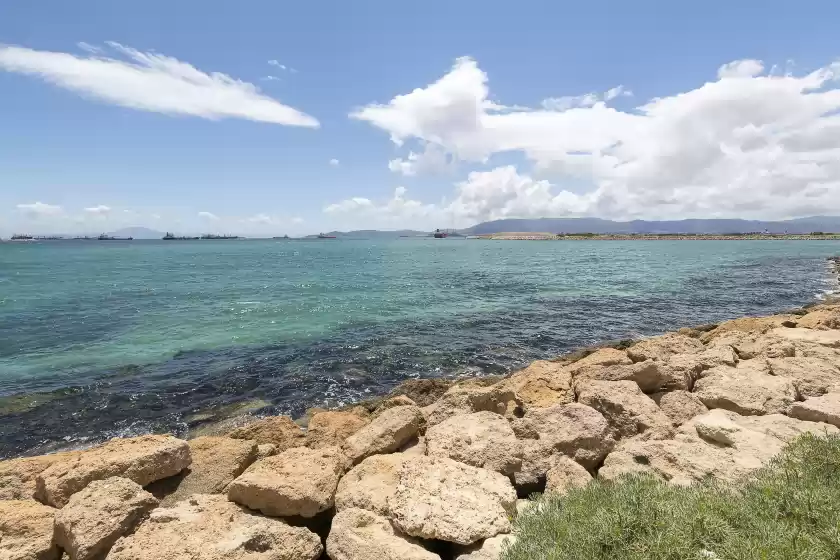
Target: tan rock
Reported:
point(542, 384)
point(565, 475)
point(143, 459)
point(650, 375)
point(26, 531)
point(422, 391)
point(818, 409)
point(488, 549)
point(415, 446)
point(680, 406)
point(442, 499)
point(826, 338)
point(751, 345)
point(746, 390)
point(277, 430)
point(399, 400)
point(298, 481)
point(811, 376)
point(208, 527)
point(820, 319)
point(216, 461)
point(628, 410)
point(266, 450)
point(94, 518)
point(17, 476)
point(369, 484)
point(385, 434)
point(331, 428)
point(467, 399)
point(357, 534)
point(661, 348)
point(758, 325)
point(481, 439)
point(538, 457)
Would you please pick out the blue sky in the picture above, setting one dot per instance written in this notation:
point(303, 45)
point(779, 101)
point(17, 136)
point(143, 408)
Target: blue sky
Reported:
point(578, 134)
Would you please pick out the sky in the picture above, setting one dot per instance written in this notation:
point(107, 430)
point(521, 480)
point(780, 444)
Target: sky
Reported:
point(267, 118)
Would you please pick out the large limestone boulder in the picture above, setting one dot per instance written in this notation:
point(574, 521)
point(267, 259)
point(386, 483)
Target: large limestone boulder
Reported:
point(422, 392)
point(17, 476)
point(679, 406)
point(651, 375)
point(542, 384)
point(143, 459)
point(465, 399)
point(750, 345)
point(825, 408)
point(820, 319)
point(826, 338)
point(746, 389)
point(280, 431)
point(601, 357)
point(299, 481)
point(538, 457)
point(209, 527)
point(385, 434)
point(331, 428)
point(758, 325)
point(565, 475)
point(216, 461)
point(628, 410)
point(26, 531)
point(481, 439)
point(811, 376)
point(488, 549)
point(369, 484)
point(661, 348)
point(438, 498)
point(94, 518)
point(576, 430)
point(357, 534)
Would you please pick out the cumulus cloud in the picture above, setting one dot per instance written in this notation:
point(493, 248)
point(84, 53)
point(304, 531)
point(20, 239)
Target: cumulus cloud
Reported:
point(40, 209)
point(260, 219)
point(398, 211)
point(746, 144)
point(430, 161)
point(208, 216)
point(148, 81)
point(100, 210)
point(334, 162)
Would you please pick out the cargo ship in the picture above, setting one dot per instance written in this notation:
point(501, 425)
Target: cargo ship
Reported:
point(105, 237)
point(325, 236)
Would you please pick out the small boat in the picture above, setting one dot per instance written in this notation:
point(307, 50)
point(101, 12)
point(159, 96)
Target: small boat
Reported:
point(440, 234)
point(325, 236)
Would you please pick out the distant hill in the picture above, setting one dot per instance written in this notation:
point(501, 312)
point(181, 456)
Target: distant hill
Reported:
point(714, 226)
point(137, 233)
point(373, 234)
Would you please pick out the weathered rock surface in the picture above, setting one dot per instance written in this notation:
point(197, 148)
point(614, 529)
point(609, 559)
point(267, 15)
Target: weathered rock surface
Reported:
point(628, 410)
point(751, 345)
point(661, 348)
point(439, 498)
point(825, 408)
point(143, 459)
point(26, 531)
point(299, 481)
point(94, 518)
point(542, 384)
point(216, 461)
point(601, 357)
point(357, 534)
point(467, 399)
point(758, 325)
point(208, 527)
point(266, 450)
point(830, 338)
point(481, 439)
point(820, 319)
point(385, 434)
point(369, 484)
point(680, 406)
point(391, 402)
point(331, 428)
point(564, 475)
point(650, 375)
point(277, 430)
point(811, 376)
point(422, 391)
point(17, 476)
point(746, 389)
point(488, 549)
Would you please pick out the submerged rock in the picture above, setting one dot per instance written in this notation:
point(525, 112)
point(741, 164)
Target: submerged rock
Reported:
point(26, 531)
point(357, 534)
point(480, 439)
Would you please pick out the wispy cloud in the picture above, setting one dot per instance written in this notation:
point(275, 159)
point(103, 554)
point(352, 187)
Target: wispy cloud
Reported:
point(208, 216)
point(40, 209)
point(100, 210)
point(334, 162)
point(148, 81)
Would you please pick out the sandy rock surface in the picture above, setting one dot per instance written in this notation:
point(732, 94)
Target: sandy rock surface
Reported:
point(468, 399)
point(26, 531)
point(628, 410)
point(331, 428)
point(277, 430)
point(488, 549)
point(480, 439)
point(679, 406)
point(601, 357)
point(830, 338)
point(564, 475)
point(651, 375)
point(357, 534)
point(17, 476)
point(385, 434)
point(746, 389)
point(542, 384)
point(811, 376)
point(825, 408)
point(661, 348)
point(371, 483)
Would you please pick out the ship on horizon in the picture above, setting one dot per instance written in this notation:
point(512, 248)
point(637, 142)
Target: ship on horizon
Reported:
point(106, 237)
point(325, 236)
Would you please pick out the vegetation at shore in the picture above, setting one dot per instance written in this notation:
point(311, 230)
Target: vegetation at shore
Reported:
point(786, 511)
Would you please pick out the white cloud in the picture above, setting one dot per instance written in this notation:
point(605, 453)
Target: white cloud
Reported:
point(208, 216)
point(334, 162)
point(277, 64)
point(270, 78)
point(87, 47)
point(746, 145)
point(100, 210)
point(431, 160)
point(149, 81)
point(260, 219)
point(397, 212)
point(40, 209)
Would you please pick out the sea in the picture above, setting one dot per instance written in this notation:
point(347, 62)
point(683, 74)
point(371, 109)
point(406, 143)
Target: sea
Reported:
point(107, 338)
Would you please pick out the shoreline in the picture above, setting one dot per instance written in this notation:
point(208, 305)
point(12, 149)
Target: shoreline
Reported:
point(543, 236)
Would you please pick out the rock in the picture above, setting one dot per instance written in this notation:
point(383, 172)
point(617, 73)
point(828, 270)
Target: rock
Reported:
point(94, 518)
point(216, 461)
point(481, 439)
point(820, 319)
point(26, 531)
point(818, 409)
point(564, 475)
point(298, 481)
point(757, 325)
point(331, 428)
point(651, 376)
point(679, 406)
point(576, 430)
point(601, 357)
point(438, 498)
point(423, 392)
point(369, 484)
point(720, 355)
point(208, 527)
point(661, 348)
point(415, 446)
point(746, 390)
point(399, 400)
point(277, 430)
point(17, 476)
point(468, 399)
point(542, 384)
point(811, 376)
point(826, 338)
point(626, 408)
point(385, 434)
point(266, 450)
point(751, 345)
point(538, 457)
point(357, 534)
point(143, 459)
point(488, 549)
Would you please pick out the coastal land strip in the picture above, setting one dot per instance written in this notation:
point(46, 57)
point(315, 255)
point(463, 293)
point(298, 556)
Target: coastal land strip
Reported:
point(545, 236)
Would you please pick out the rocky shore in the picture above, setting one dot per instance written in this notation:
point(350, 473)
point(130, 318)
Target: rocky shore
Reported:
point(437, 470)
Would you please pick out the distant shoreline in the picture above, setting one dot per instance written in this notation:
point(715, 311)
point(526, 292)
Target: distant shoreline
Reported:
point(527, 236)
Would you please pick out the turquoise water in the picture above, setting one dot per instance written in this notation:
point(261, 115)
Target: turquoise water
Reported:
point(123, 337)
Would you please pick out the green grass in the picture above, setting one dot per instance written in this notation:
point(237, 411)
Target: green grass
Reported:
point(790, 510)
